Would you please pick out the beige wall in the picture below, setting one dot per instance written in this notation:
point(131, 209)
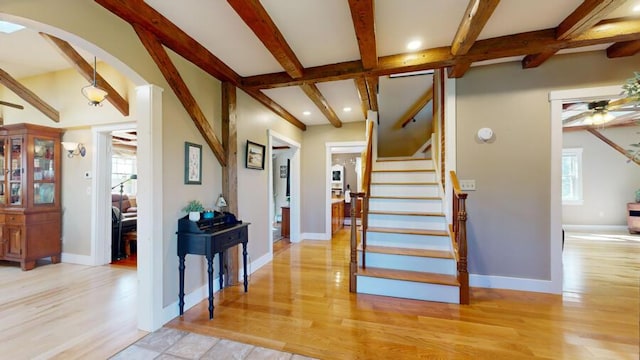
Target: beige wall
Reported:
point(314, 187)
point(508, 221)
point(609, 181)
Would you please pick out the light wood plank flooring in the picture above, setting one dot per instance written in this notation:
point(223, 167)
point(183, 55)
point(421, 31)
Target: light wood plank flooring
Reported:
point(65, 311)
point(301, 303)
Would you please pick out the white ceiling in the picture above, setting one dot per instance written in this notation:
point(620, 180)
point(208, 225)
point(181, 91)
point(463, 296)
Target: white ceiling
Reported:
point(320, 32)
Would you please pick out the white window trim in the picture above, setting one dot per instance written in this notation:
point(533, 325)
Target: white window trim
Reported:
point(578, 154)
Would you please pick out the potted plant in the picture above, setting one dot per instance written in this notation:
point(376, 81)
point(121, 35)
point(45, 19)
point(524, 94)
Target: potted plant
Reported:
point(194, 208)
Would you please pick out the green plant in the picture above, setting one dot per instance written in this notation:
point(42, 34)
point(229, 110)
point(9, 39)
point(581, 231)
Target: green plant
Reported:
point(193, 206)
point(632, 86)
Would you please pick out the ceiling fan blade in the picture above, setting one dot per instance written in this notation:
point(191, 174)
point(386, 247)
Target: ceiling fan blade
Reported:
point(11, 105)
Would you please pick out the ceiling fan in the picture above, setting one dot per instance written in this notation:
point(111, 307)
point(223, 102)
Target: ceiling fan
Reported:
point(17, 106)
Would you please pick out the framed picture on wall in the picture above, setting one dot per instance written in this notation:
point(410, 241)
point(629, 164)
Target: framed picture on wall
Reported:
point(192, 163)
point(255, 156)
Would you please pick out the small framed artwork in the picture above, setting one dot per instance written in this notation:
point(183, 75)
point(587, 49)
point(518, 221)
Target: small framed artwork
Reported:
point(255, 156)
point(192, 163)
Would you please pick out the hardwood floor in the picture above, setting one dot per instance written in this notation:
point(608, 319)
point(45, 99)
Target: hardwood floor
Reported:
point(301, 303)
point(65, 311)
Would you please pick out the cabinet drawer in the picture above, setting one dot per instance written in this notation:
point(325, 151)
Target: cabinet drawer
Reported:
point(14, 219)
point(230, 238)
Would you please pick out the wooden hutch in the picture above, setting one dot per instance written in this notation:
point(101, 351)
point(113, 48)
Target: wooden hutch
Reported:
point(30, 211)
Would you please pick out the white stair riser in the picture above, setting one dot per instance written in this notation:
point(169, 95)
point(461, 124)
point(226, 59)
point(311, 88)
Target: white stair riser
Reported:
point(405, 190)
point(430, 206)
point(421, 176)
point(403, 165)
point(409, 263)
point(408, 289)
point(425, 242)
point(407, 222)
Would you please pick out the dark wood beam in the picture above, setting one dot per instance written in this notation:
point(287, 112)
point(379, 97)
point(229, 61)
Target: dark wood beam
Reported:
point(415, 108)
point(259, 21)
point(266, 101)
point(534, 60)
point(372, 90)
point(17, 106)
point(171, 74)
point(458, 70)
point(475, 18)
point(613, 145)
point(622, 49)
point(585, 16)
point(316, 96)
point(85, 69)
point(230, 172)
point(363, 94)
point(29, 96)
point(533, 42)
point(363, 17)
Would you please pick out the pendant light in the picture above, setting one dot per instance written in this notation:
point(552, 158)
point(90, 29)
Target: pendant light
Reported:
point(92, 92)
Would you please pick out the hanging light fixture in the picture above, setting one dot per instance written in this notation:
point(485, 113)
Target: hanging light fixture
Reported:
point(92, 92)
point(600, 113)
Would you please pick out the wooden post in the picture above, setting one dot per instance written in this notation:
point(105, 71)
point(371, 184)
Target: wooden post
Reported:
point(230, 172)
point(461, 234)
point(353, 264)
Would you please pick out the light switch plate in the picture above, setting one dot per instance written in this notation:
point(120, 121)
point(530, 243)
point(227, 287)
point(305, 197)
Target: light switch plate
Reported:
point(467, 185)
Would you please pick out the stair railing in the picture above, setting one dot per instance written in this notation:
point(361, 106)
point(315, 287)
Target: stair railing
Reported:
point(458, 230)
point(367, 164)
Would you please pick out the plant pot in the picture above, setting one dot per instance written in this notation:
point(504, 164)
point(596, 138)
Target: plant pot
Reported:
point(194, 215)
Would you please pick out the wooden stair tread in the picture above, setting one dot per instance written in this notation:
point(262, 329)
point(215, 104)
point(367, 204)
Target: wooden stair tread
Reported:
point(405, 213)
point(404, 183)
point(423, 277)
point(403, 171)
point(406, 197)
point(438, 254)
point(408, 231)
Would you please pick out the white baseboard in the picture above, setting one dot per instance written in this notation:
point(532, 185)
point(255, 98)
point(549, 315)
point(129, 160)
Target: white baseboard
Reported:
point(595, 228)
point(509, 283)
point(190, 300)
point(316, 236)
point(253, 266)
point(77, 259)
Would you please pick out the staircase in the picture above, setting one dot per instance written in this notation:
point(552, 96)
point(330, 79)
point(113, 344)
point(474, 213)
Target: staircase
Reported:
point(407, 250)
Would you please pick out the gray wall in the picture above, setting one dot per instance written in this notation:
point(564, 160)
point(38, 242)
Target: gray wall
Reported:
point(609, 181)
point(314, 187)
point(508, 221)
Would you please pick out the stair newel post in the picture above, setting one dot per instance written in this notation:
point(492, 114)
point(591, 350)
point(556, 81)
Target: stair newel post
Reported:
point(353, 264)
point(461, 235)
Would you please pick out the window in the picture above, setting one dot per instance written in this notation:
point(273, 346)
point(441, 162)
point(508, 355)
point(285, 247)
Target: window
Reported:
point(121, 169)
point(572, 176)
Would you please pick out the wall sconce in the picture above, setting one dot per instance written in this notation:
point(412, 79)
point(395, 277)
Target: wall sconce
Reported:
point(74, 149)
point(92, 92)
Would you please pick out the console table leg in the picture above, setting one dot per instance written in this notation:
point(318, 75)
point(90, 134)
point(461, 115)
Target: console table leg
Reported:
point(210, 272)
point(220, 255)
point(244, 263)
point(181, 291)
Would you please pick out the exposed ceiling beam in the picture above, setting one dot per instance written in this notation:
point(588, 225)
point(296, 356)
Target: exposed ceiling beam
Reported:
point(315, 95)
point(615, 146)
point(28, 96)
point(458, 70)
point(85, 69)
point(138, 12)
point(606, 125)
point(415, 108)
point(275, 107)
point(622, 49)
point(363, 17)
point(259, 21)
point(533, 42)
point(171, 74)
point(475, 18)
point(17, 106)
point(361, 85)
point(372, 90)
point(583, 18)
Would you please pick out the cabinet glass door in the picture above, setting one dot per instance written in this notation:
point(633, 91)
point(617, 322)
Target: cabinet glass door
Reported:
point(15, 171)
point(3, 172)
point(43, 171)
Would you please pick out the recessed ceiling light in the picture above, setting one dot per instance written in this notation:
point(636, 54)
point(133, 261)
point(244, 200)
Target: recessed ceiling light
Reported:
point(636, 8)
point(306, 113)
point(8, 28)
point(413, 45)
point(347, 109)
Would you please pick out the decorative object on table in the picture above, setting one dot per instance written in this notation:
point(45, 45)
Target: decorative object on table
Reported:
point(208, 214)
point(255, 156)
point(192, 163)
point(221, 203)
point(194, 208)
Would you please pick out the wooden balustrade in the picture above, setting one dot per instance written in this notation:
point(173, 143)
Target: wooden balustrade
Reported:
point(458, 230)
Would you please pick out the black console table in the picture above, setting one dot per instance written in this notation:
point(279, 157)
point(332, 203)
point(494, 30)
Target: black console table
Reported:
point(205, 238)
